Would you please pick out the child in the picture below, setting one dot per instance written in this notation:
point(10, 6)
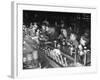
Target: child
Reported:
point(73, 39)
point(82, 49)
point(82, 44)
point(73, 43)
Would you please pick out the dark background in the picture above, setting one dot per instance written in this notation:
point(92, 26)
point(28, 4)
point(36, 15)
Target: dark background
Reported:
point(82, 21)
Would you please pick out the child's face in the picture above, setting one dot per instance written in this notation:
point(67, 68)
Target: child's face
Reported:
point(82, 41)
point(64, 32)
point(72, 37)
point(43, 27)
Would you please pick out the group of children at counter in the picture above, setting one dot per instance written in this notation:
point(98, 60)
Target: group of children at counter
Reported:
point(36, 36)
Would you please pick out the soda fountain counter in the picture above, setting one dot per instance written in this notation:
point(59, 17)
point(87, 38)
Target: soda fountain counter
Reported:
point(58, 57)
